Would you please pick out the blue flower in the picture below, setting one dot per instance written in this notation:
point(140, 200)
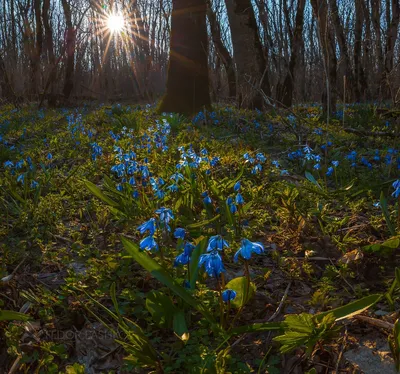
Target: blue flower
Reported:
point(8, 164)
point(233, 208)
point(317, 166)
point(247, 249)
point(150, 226)
point(179, 233)
point(216, 242)
point(207, 199)
point(212, 263)
point(236, 187)
point(335, 163)
point(396, 186)
point(21, 178)
point(34, 184)
point(228, 295)
point(184, 257)
point(49, 156)
point(19, 164)
point(165, 214)
point(239, 199)
point(148, 244)
point(330, 171)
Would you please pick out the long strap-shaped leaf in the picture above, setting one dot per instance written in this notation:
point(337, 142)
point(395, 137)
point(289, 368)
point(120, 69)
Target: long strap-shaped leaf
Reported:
point(9, 315)
point(351, 309)
point(346, 311)
point(158, 272)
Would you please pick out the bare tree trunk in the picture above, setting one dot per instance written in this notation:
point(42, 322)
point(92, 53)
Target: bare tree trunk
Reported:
point(5, 84)
point(376, 21)
point(70, 41)
point(367, 66)
point(222, 51)
point(391, 37)
point(320, 8)
point(252, 72)
point(52, 66)
point(359, 84)
point(344, 52)
point(296, 47)
point(188, 78)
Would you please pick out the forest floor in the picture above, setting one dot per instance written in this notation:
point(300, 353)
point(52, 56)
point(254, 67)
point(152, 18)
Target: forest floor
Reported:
point(94, 294)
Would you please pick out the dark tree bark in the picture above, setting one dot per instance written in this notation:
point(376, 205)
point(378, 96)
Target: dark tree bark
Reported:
point(359, 82)
point(36, 49)
point(70, 41)
point(391, 37)
point(296, 47)
point(222, 51)
point(326, 39)
point(367, 66)
point(251, 69)
point(52, 65)
point(5, 84)
point(188, 78)
point(344, 52)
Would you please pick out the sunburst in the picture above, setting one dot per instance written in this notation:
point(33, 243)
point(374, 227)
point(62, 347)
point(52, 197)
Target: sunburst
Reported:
point(115, 23)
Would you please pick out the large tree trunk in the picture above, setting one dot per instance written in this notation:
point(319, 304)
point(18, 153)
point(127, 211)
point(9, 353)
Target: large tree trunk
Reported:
point(188, 79)
point(359, 82)
point(52, 65)
point(391, 37)
point(222, 51)
point(367, 66)
point(70, 41)
point(296, 47)
point(376, 22)
point(36, 50)
point(344, 52)
point(326, 39)
point(6, 88)
point(251, 69)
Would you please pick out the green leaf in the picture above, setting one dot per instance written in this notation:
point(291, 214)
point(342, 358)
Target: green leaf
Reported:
point(194, 261)
point(397, 271)
point(311, 178)
point(180, 326)
point(351, 309)
point(244, 291)
point(9, 315)
point(202, 223)
point(98, 193)
point(386, 247)
point(256, 327)
point(158, 272)
point(161, 308)
point(386, 214)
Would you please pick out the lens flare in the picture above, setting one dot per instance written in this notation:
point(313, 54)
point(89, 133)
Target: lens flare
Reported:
point(115, 23)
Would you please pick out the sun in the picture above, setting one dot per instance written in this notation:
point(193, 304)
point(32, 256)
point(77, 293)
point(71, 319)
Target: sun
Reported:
point(115, 23)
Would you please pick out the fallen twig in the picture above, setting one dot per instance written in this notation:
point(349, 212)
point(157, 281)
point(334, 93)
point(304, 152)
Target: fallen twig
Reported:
point(375, 322)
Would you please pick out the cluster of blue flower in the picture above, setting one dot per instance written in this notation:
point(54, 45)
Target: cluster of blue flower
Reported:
point(17, 168)
point(257, 161)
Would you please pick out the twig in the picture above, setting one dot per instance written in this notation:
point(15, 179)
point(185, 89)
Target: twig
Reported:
point(341, 351)
point(369, 133)
point(11, 276)
point(278, 310)
point(284, 297)
point(15, 365)
point(375, 322)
